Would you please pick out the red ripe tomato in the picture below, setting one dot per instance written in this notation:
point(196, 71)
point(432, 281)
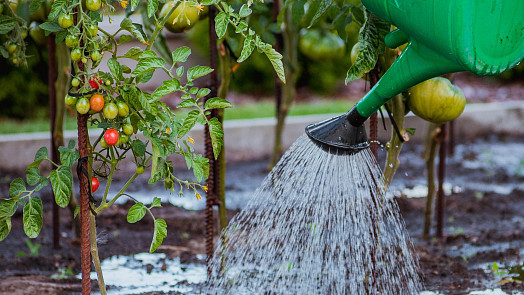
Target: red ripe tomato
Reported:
point(94, 184)
point(111, 136)
point(95, 82)
point(97, 102)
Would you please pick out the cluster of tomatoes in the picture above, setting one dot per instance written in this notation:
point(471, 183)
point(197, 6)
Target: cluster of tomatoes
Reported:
point(184, 17)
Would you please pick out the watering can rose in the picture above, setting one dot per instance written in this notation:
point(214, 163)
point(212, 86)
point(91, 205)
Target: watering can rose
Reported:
point(436, 100)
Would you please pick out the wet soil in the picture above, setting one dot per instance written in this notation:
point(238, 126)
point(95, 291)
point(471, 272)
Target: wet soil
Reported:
point(481, 227)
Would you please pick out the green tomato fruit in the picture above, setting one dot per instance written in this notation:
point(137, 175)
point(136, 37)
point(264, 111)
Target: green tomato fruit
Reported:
point(75, 82)
point(95, 55)
point(140, 169)
point(37, 34)
point(82, 105)
point(92, 30)
point(122, 139)
point(23, 33)
point(65, 20)
point(70, 100)
point(110, 111)
point(84, 60)
point(123, 109)
point(11, 48)
point(128, 129)
point(76, 54)
point(103, 143)
point(71, 41)
point(183, 18)
point(93, 5)
point(436, 100)
point(321, 45)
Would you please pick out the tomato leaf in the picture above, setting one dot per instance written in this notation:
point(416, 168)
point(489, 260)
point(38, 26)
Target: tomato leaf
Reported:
point(156, 202)
point(62, 183)
point(68, 156)
point(180, 71)
point(56, 9)
point(134, 53)
point(32, 175)
point(187, 103)
point(6, 24)
point(136, 212)
point(217, 103)
point(16, 188)
point(34, 5)
point(150, 64)
point(203, 92)
point(247, 49)
point(139, 147)
point(32, 217)
point(8, 207)
point(189, 122)
point(152, 6)
point(297, 11)
point(200, 167)
point(221, 22)
point(124, 39)
point(51, 27)
point(274, 57)
point(5, 227)
point(134, 4)
point(43, 183)
point(245, 11)
point(135, 29)
point(116, 70)
point(167, 87)
point(217, 135)
point(371, 42)
point(148, 54)
point(322, 6)
point(159, 234)
point(181, 54)
point(197, 72)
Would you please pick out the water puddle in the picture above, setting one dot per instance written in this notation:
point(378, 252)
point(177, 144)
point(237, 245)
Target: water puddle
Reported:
point(147, 272)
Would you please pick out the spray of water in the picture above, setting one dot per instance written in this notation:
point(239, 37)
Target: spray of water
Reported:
point(318, 224)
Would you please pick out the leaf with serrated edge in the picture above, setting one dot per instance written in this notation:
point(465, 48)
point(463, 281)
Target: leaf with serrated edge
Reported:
point(41, 154)
point(221, 22)
point(32, 217)
point(5, 227)
point(149, 64)
point(136, 212)
point(217, 135)
point(197, 72)
point(249, 46)
point(156, 202)
point(159, 234)
point(187, 103)
point(189, 122)
point(167, 87)
point(62, 184)
point(16, 188)
point(217, 103)
point(32, 175)
point(181, 54)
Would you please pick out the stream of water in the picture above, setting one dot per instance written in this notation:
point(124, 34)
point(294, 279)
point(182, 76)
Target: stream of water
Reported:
point(319, 224)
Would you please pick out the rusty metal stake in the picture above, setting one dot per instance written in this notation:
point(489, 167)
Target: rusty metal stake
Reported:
point(441, 175)
point(52, 74)
point(212, 180)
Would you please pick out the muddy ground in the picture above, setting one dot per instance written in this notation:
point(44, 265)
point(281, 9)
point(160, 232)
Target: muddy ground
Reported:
point(482, 226)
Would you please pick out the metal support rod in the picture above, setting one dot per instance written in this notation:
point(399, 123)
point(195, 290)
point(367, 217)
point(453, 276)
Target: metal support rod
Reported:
point(83, 150)
point(52, 74)
point(212, 183)
point(441, 175)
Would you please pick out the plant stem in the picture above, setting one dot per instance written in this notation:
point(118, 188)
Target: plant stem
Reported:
point(430, 154)
point(289, 35)
point(160, 26)
point(110, 178)
point(94, 254)
point(224, 59)
point(120, 193)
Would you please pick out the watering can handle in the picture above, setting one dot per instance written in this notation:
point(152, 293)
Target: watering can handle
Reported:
point(416, 64)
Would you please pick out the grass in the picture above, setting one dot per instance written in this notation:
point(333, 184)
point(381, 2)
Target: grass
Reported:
point(263, 109)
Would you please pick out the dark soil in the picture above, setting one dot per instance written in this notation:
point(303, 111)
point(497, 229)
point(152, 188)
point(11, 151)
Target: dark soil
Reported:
point(480, 229)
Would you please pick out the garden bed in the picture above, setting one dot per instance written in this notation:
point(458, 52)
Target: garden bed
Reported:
point(484, 224)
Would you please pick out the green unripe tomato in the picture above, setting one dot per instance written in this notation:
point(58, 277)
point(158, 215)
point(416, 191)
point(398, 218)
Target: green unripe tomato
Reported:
point(140, 169)
point(23, 33)
point(183, 18)
point(70, 100)
point(76, 54)
point(84, 60)
point(71, 41)
point(123, 109)
point(321, 45)
point(11, 48)
point(75, 82)
point(95, 55)
point(128, 129)
point(13, 4)
point(37, 34)
point(82, 106)
point(103, 143)
point(122, 139)
point(110, 111)
point(65, 20)
point(107, 82)
point(93, 5)
point(92, 30)
point(15, 61)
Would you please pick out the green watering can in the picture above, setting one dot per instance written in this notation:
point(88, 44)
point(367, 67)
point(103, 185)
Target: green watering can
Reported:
point(485, 37)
